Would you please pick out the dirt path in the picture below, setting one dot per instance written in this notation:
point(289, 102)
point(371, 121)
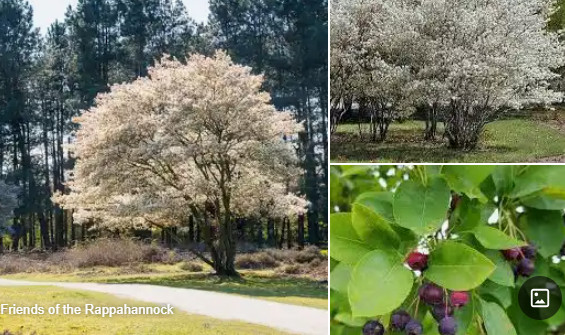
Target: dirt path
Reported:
point(290, 318)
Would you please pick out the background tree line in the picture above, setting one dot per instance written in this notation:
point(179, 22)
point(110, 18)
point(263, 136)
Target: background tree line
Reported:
point(47, 80)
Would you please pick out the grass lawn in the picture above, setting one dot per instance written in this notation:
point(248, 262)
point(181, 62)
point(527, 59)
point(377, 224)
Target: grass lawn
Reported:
point(504, 141)
point(179, 323)
point(257, 284)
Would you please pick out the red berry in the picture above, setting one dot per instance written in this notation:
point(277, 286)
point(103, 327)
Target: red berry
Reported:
point(512, 254)
point(459, 299)
point(417, 261)
point(431, 294)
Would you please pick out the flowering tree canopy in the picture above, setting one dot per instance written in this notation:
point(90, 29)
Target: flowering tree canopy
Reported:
point(470, 58)
point(198, 139)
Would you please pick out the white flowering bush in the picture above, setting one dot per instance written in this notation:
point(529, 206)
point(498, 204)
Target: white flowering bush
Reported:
point(468, 60)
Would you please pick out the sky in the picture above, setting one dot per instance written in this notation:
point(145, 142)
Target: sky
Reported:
point(46, 12)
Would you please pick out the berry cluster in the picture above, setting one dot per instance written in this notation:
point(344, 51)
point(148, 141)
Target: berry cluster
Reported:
point(523, 259)
point(442, 307)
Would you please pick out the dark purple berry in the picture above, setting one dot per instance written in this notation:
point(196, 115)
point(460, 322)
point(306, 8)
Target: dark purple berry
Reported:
point(529, 251)
point(431, 294)
point(562, 252)
point(512, 254)
point(373, 328)
point(448, 326)
point(441, 311)
point(459, 299)
point(413, 328)
point(417, 261)
point(399, 320)
point(525, 267)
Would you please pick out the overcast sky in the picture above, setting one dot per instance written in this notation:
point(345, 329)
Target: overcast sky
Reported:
point(46, 12)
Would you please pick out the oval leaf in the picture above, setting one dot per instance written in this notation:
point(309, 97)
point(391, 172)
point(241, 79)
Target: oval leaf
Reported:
point(421, 208)
point(495, 319)
point(545, 229)
point(492, 238)
point(345, 245)
point(379, 284)
point(467, 179)
point(503, 274)
point(458, 267)
point(373, 228)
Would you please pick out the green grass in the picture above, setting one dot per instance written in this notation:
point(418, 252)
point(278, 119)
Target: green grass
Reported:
point(257, 284)
point(179, 323)
point(508, 141)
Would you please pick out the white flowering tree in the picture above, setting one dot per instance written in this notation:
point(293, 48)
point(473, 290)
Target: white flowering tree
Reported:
point(8, 202)
point(469, 59)
point(198, 139)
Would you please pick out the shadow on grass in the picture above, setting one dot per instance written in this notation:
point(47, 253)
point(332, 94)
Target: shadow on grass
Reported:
point(406, 145)
point(251, 285)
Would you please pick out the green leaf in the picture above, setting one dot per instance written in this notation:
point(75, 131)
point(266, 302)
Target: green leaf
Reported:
point(378, 202)
point(502, 294)
point(421, 208)
point(503, 274)
point(492, 238)
point(373, 228)
point(495, 319)
point(352, 170)
point(538, 177)
point(345, 244)
point(503, 178)
point(379, 284)
point(464, 316)
point(548, 199)
point(458, 267)
point(339, 278)
point(525, 325)
point(467, 179)
point(348, 319)
point(468, 215)
point(545, 229)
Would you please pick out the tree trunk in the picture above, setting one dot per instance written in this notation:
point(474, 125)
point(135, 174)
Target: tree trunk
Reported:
point(301, 231)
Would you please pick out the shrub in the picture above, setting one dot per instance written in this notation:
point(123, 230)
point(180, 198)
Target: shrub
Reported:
point(290, 269)
point(191, 267)
point(110, 252)
point(259, 260)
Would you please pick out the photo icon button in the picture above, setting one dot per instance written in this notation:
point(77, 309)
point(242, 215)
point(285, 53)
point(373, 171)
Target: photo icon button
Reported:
point(540, 298)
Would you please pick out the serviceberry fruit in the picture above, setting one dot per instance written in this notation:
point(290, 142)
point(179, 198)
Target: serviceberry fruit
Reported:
point(413, 328)
point(512, 254)
point(448, 326)
point(431, 294)
point(373, 328)
point(399, 320)
point(417, 261)
point(459, 299)
point(529, 251)
point(525, 267)
point(441, 311)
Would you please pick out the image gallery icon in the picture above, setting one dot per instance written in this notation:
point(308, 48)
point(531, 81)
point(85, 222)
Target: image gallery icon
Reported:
point(539, 298)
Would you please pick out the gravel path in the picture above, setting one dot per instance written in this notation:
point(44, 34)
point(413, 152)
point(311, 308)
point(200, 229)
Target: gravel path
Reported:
point(290, 318)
